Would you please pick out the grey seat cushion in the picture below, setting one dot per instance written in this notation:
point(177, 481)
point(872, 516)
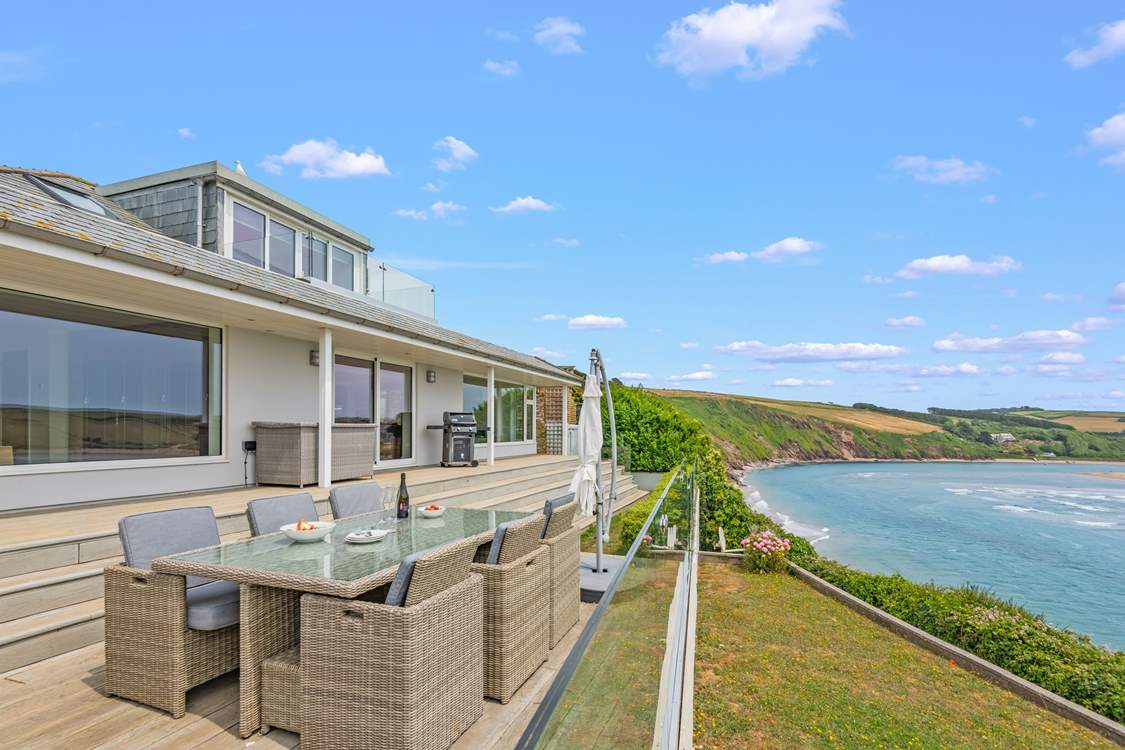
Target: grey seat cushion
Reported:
point(549, 508)
point(147, 536)
point(396, 594)
point(354, 499)
point(269, 514)
point(212, 606)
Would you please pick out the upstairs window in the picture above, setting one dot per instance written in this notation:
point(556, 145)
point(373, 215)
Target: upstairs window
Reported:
point(316, 258)
point(283, 247)
point(343, 268)
point(249, 236)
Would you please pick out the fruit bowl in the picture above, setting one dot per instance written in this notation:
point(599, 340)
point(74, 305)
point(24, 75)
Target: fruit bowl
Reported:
point(318, 530)
point(431, 511)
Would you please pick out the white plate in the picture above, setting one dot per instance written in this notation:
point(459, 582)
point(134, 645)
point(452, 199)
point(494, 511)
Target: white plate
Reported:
point(431, 513)
point(319, 530)
point(366, 536)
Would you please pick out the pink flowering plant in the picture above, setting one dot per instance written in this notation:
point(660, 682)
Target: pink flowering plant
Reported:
point(765, 551)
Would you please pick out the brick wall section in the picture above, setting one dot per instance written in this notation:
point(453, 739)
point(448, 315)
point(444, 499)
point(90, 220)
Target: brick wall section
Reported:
point(549, 401)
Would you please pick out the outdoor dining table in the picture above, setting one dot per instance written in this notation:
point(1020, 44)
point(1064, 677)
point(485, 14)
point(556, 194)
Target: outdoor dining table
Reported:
point(273, 571)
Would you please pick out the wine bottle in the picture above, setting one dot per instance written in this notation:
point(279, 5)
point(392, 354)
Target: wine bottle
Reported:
point(403, 497)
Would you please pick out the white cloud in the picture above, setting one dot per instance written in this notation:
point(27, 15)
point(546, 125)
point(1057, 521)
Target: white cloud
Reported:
point(523, 205)
point(965, 368)
point(951, 171)
point(1110, 43)
point(730, 256)
point(1120, 360)
point(758, 40)
point(634, 376)
point(1027, 121)
point(989, 200)
point(1058, 297)
point(17, 66)
point(442, 209)
point(567, 242)
point(1110, 136)
point(1063, 358)
point(1027, 341)
point(411, 213)
point(910, 321)
point(186, 133)
point(1117, 297)
point(691, 376)
point(1096, 323)
point(431, 187)
point(786, 248)
point(909, 388)
point(596, 323)
point(811, 352)
point(457, 154)
point(325, 159)
point(1007, 370)
point(874, 367)
point(501, 36)
point(689, 345)
point(559, 35)
point(957, 264)
point(908, 294)
point(1052, 370)
point(798, 383)
point(553, 316)
point(502, 68)
point(545, 353)
point(736, 381)
point(877, 280)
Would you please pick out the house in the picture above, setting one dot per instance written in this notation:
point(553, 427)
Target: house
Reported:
point(146, 325)
point(1002, 437)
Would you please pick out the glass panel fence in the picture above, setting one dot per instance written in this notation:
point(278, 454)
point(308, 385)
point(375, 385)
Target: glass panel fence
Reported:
point(621, 685)
point(394, 287)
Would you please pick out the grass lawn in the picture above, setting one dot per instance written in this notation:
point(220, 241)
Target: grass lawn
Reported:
point(780, 666)
point(610, 703)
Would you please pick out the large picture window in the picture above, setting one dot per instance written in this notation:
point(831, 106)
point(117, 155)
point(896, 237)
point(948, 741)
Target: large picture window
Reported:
point(474, 398)
point(249, 236)
point(396, 412)
point(283, 248)
point(355, 390)
point(343, 268)
point(85, 383)
point(513, 424)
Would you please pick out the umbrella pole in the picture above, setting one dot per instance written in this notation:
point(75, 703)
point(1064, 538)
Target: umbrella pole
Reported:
point(612, 448)
point(599, 567)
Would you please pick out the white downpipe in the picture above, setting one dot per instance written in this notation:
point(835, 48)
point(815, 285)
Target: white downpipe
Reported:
point(326, 411)
point(491, 416)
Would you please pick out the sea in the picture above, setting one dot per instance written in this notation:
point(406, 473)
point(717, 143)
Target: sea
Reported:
point(1050, 537)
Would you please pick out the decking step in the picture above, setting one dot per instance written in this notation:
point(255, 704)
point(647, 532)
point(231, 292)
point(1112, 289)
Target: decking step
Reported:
point(31, 639)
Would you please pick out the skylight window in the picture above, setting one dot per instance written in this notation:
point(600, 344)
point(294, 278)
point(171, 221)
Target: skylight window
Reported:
point(72, 197)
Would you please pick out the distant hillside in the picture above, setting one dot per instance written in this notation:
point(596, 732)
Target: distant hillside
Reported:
point(750, 429)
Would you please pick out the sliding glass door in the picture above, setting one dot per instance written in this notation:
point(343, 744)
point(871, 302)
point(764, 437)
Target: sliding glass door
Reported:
point(396, 412)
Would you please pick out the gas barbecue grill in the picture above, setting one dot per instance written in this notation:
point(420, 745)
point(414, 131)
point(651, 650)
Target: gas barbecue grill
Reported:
point(459, 431)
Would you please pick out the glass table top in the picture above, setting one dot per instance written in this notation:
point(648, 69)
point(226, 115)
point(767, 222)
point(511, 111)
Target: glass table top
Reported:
point(335, 559)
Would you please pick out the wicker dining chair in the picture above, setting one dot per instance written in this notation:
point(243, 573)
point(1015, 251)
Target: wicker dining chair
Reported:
point(354, 499)
point(516, 573)
point(399, 669)
point(561, 538)
point(165, 634)
point(268, 514)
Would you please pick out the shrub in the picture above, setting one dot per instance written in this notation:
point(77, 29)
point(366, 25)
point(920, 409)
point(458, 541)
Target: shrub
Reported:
point(765, 552)
point(656, 435)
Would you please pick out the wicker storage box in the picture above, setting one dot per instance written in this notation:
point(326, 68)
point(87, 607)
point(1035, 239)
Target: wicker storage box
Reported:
point(287, 452)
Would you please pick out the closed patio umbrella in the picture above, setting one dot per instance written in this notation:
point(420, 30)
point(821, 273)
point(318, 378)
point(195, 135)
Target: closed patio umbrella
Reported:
point(585, 482)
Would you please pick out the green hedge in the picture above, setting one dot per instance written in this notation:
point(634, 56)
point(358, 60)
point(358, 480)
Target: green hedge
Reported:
point(657, 436)
point(1007, 635)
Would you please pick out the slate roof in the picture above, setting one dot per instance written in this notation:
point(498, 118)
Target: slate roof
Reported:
point(26, 209)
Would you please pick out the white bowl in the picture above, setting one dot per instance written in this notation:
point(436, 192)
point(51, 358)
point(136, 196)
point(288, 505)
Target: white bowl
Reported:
point(319, 530)
point(367, 536)
point(431, 513)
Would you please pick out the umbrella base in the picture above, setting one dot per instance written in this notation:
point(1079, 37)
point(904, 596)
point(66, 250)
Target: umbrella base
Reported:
point(594, 583)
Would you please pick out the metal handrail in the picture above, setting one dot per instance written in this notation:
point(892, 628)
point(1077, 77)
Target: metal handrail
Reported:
point(538, 724)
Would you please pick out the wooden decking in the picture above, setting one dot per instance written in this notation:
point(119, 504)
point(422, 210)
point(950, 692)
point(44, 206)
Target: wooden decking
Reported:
point(59, 703)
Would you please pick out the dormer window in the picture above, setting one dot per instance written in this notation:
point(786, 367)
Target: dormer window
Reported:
point(316, 258)
point(249, 236)
point(343, 268)
point(72, 198)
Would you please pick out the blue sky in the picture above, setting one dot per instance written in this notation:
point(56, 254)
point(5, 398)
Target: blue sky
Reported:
point(913, 204)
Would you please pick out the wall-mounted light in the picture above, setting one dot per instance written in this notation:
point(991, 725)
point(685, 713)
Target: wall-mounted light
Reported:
point(431, 376)
point(314, 357)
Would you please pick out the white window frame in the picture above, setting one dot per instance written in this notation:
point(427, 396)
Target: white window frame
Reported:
point(302, 231)
point(528, 431)
point(332, 247)
point(139, 463)
point(397, 462)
